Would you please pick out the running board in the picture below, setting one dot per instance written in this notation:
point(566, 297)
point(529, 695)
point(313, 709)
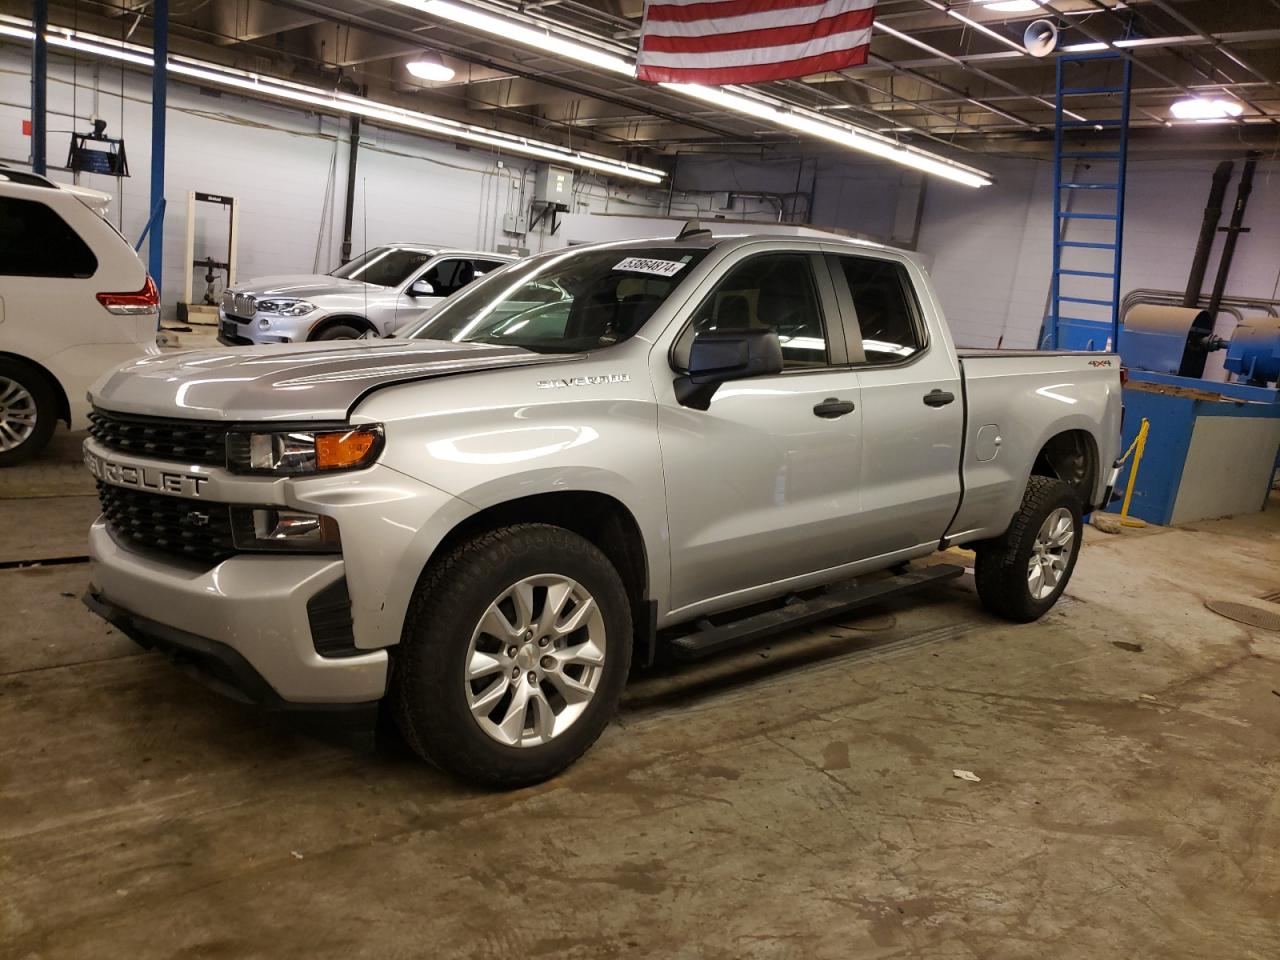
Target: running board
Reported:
point(711, 640)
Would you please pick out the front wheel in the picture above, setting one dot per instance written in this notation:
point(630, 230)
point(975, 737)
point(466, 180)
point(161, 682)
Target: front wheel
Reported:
point(339, 331)
point(514, 655)
point(1021, 573)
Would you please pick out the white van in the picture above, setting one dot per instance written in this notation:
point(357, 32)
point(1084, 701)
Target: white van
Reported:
point(75, 302)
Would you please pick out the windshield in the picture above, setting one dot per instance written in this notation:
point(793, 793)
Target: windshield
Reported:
point(384, 266)
point(565, 303)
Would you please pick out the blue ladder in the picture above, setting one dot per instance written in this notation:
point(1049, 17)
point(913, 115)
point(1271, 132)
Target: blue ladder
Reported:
point(1064, 329)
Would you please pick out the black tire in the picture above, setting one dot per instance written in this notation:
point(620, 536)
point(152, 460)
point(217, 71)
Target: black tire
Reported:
point(1002, 564)
point(339, 331)
point(21, 380)
point(429, 699)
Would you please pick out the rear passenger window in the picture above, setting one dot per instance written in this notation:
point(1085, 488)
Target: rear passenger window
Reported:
point(36, 242)
point(885, 307)
point(771, 291)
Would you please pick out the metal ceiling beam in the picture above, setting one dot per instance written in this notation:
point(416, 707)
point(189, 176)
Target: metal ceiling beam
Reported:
point(1191, 40)
point(989, 77)
point(513, 67)
point(1217, 44)
point(865, 85)
point(895, 125)
point(955, 91)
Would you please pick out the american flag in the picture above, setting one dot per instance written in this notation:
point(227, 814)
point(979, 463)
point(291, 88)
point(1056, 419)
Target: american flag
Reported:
point(744, 41)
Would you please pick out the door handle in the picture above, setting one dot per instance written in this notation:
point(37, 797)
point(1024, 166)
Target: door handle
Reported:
point(938, 398)
point(831, 408)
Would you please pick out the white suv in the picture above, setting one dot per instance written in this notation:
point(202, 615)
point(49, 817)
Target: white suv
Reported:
point(382, 289)
point(75, 302)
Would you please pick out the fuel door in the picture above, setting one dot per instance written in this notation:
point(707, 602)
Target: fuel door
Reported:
point(987, 443)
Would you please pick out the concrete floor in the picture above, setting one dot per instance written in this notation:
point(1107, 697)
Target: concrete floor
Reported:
point(792, 801)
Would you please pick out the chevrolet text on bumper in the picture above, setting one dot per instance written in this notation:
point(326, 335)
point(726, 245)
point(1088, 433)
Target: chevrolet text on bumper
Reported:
point(490, 518)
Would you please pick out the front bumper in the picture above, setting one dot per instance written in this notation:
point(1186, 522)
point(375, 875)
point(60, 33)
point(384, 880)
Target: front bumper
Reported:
point(239, 333)
point(243, 622)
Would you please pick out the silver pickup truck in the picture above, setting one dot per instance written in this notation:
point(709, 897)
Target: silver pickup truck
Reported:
point(584, 458)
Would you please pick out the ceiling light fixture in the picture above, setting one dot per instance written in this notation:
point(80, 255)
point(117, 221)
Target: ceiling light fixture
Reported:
point(1204, 109)
point(1010, 6)
point(260, 85)
point(742, 100)
point(430, 66)
point(544, 40)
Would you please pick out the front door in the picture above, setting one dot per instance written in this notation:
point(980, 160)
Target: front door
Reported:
point(763, 486)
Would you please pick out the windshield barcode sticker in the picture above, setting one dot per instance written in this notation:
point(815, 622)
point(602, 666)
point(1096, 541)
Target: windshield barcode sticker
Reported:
point(661, 268)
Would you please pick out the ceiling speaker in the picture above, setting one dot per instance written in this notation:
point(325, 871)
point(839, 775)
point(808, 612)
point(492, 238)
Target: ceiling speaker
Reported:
point(1040, 38)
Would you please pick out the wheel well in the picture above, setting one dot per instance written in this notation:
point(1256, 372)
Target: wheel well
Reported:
point(1072, 457)
point(360, 323)
point(64, 408)
point(595, 517)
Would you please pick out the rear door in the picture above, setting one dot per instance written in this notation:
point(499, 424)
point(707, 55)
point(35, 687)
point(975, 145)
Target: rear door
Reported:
point(763, 486)
point(912, 404)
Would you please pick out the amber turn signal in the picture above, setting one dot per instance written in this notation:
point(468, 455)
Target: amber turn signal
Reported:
point(350, 448)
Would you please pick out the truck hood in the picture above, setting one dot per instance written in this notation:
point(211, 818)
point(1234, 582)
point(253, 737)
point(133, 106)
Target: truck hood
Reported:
point(300, 285)
point(305, 381)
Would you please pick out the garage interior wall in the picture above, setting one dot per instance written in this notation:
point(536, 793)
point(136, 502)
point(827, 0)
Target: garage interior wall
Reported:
point(1003, 235)
point(988, 250)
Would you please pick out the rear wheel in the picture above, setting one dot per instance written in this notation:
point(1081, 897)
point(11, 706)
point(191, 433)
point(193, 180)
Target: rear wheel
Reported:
point(339, 331)
point(1021, 574)
point(28, 412)
point(514, 655)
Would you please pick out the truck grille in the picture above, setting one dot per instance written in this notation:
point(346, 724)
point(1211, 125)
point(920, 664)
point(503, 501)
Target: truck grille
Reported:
point(186, 441)
point(239, 306)
point(188, 528)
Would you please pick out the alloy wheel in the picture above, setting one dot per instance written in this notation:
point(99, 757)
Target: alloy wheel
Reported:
point(535, 660)
point(1051, 553)
point(17, 414)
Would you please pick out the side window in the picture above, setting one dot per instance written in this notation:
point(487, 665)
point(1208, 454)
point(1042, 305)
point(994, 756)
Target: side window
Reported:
point(450, 276)
point(488, 266)
point(774, 291)
point(36, 242)
point(885, 307)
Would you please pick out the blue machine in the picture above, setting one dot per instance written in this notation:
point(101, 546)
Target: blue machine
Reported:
point(1253, 354)
point(1213, 445)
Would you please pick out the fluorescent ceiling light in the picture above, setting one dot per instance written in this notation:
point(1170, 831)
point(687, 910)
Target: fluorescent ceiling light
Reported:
point(741, 100)
point(1202, 108)
point(1010, 6)
point(429, 66)
point(332, 101)
point(516, 32)
point(738, 100)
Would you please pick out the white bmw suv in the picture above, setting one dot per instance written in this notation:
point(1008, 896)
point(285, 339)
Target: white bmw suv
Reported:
point(75, 302)
point(380, 290)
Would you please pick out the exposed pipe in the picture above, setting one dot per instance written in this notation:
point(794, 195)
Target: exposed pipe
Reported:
point(348, 213)
point(39, 87)
point(1173, 298)
point(1233, 233)
point(1208, 227)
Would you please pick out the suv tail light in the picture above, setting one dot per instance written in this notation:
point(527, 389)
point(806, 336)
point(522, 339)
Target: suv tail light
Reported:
point(146, 300)
point(1124, 376)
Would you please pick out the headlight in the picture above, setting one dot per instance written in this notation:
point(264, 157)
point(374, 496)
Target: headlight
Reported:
point(285, 308)
point(301, 452)
point(279, 528)
point(264, 323)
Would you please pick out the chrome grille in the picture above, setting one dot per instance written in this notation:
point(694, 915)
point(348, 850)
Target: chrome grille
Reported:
point(239, 306)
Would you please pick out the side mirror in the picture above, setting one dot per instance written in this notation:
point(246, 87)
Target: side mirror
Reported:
point(422, 288)
point(718, 356)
